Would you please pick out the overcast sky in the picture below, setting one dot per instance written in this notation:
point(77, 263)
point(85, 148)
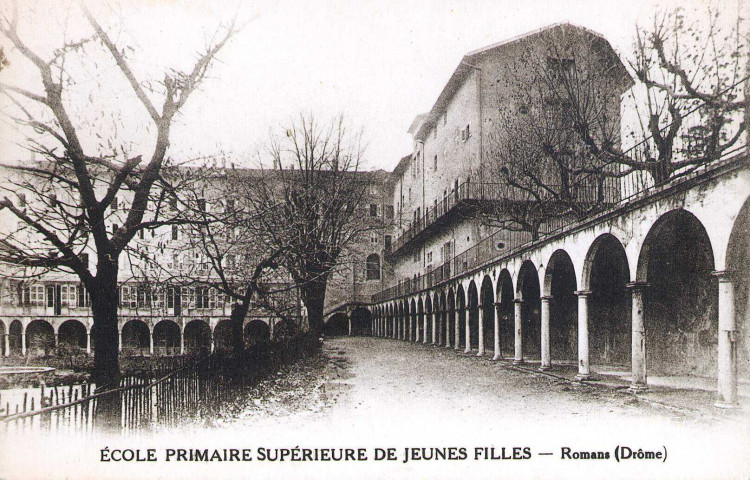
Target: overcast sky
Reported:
point(380, 63)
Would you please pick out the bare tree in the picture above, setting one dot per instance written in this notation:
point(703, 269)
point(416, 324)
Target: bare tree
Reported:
point(305, 202)
point(555, 129)
point(64, 203)
point(692, 67)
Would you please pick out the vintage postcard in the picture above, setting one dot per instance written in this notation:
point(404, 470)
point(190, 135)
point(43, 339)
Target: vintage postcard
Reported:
point(374, 239)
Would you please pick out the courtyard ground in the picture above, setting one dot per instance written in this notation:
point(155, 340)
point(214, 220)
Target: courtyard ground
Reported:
point(373, 393)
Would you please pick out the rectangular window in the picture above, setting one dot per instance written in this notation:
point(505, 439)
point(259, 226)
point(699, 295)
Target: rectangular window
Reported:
point(388, 243)
point(115, 203)
point(389, 212)
point(465, 133)
point(212, 298)
point(434, 165)
point(170, 296)
point(373, 210)
point(429, 257)
point(230, 205)
point(142, 233)
point(175, 232)
point(202, 204)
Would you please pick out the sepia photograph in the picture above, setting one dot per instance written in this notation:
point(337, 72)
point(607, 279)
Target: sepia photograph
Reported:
point(375, 239)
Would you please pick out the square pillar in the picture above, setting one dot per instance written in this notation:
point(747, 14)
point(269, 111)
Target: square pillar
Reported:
point(518, 320)
point(7, 344)
point(496, 333)
point(448, 315)
point(182, 342)
point(639, 337)
point(88, 343)
point(151, 342)
point(23, 341)
point(426, 320)
point(584, 372)
point(480, 326)
point(726, 394)
point(546, 360)
point(57, 340)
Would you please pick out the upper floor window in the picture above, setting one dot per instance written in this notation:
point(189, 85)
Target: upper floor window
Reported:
point(434, 164)
point(560, 68)
point(389, 212)
point(175, 232)
point(445, 117)
point(465, 133)
point(115, 203)
point(373, 210)
point(373, 267)
point(202, 204)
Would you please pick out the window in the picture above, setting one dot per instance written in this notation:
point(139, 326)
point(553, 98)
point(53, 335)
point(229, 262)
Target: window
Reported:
point(202, 204)
point(388, 243)
point(429, 257)
point(36, 295)
point(434, 165)
point(175, 232)
point(142, 233)
point(173, 201)
point(373, 267)
point(465, 133)
point(202, 297)
point(373, 238)
point(115, 227)
point(115, 203)
point(84, 299)
point(373, 210)
point(52, 200)
point(560, 68)
point(128, 297)
point(230, 206)
point(389, 212)
point(171, 291)
point(445, 117)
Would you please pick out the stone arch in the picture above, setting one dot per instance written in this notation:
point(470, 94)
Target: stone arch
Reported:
point(198, 339)
point(361, 321)
point(167, 337)
point(285, 328)
point(337, 324)
point(461, 316)
point(681, 300)
point(223, 336)
point(450, 332)
point(40, 338)
point(738, 265)
point(505, 297)
point(15, 331)
point(528, 291)
point(606, 273)
point(560, 287)
point(135, 337)
point(72, 333)
point(487, 304)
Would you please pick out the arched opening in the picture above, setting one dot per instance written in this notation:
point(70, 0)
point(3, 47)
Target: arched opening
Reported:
point(487, 304)
point(284, 329)
point(450, 332)
point(473, 313)
point(560, 284)
point(738, 263)
point(361, 321)
point(428, 318)
point(197, 337)
point(337, 324)
point(167, 338)
point(461, 317)
point(14, 340)
point(135, 338)
point(223, 336)
point(72, 333)
point(412, 331)
point(40, 338)
point(505, 298)
point(372, 267)
point(442, 320)
point(420, 330)
point(680, 303)
point(528, 292)
point(606, 274)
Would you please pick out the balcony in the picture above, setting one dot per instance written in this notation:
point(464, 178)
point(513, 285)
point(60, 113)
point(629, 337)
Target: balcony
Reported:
point(472, 194)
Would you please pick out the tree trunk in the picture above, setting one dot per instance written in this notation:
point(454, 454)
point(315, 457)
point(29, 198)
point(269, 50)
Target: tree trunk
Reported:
point(314, 294)
point(106, 374)
point(237, 318)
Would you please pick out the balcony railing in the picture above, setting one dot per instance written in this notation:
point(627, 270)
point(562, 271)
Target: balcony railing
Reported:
point(607, 192)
